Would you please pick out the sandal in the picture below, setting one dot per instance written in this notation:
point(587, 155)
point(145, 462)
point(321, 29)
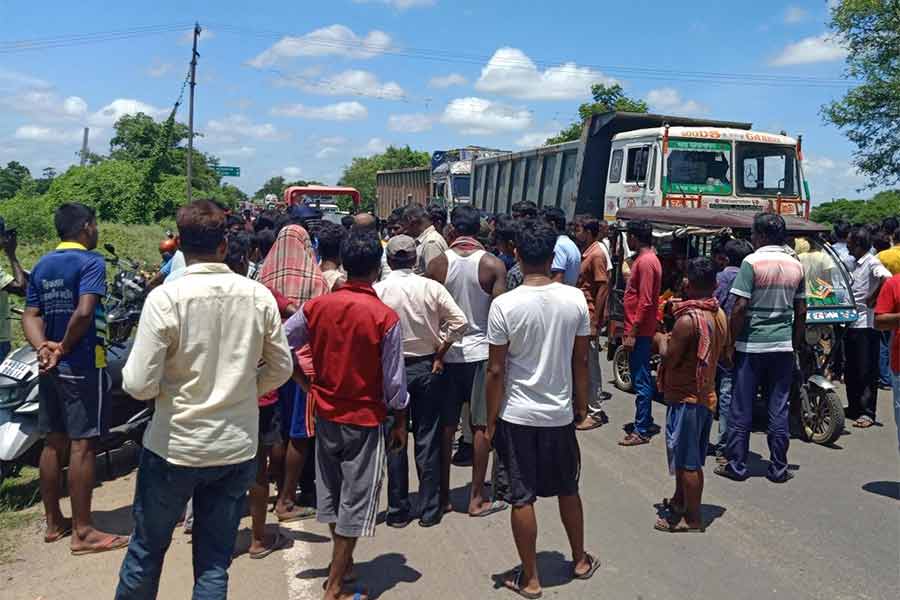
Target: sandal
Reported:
point(279, 543)
point(589, 423)
point(594, 565)
point(679, 526)
point(634, 439)
point(515, 585)
point(297, 513)
point(494, 507)
point(863, 423)
point(671, 507)
point(64, 532)
point(113, 542)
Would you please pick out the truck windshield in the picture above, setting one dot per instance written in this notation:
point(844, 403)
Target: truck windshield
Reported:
point(460, 186)
point(767, 170)
point(699, 167)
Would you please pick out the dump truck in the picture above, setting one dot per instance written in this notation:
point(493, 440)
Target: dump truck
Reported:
point(399, 187)
point(633, 159)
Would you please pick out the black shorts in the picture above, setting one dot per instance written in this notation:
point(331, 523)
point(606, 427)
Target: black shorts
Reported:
point(456, 384)
point(270, 425)
point(74, 402)
point(539, 461)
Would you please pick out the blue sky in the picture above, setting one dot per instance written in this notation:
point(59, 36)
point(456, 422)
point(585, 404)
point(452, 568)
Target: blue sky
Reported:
point(298, 88)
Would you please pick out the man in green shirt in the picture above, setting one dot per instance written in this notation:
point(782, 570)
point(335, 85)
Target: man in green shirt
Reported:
point(14, 282)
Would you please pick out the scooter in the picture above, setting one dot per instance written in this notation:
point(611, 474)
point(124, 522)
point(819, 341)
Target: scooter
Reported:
point(20, 440)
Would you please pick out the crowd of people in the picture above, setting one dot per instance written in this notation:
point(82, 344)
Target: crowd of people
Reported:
point(286, 349)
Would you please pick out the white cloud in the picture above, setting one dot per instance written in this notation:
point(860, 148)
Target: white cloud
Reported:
point(478, 116)
point(831, 178)
point(291, 172)
point(326, 152)
point(9, 78)
point(239, 125)
point(511, 72)
point(814, 49)
point(46, 105)
point(159, 69)
point(534, 140)
point(399, 4)
point(795, 14)
point(239, 152)
point(36, 133)
point(341, 111)
point(353, 82)
point(334, 40)
point(112, 112)
point(668, 100)
point(188, 36)
point(333, 140)
point(410, 123)
point(445, 81)
point(376, 145)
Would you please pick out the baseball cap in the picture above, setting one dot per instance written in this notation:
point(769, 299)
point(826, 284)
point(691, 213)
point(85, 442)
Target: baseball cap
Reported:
point(401, 247)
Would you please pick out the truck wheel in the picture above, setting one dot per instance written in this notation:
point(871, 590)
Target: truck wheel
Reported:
point(621, 370)
point(823, 415)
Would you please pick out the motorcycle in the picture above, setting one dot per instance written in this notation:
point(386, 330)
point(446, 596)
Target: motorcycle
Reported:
point(20, 440)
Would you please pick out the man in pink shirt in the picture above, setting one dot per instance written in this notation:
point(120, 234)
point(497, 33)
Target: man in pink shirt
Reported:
point(641, 304)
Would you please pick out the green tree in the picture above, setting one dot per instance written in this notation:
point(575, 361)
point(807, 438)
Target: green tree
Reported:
point(882, 205)
point(360, 173)
point(43, 184)
point(869, 114)
point(113, 188)
point(606, 98)
point(137, 137)
point(12, 179)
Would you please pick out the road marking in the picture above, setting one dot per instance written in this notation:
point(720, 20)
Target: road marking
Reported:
point(297, 557)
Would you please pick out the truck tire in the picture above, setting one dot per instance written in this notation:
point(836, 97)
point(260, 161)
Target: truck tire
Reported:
point(622, 370)
point(822, 416)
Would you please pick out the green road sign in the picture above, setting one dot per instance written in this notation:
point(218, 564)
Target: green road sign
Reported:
point(227, 171)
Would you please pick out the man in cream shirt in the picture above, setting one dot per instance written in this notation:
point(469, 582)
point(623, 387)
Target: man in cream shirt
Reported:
point(207, 346)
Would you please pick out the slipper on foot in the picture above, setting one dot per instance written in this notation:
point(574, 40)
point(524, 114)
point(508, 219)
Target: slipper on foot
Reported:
point(594, 565)
point(494, 507)
point(278, 543)
point(515, 585)
point(113, 542)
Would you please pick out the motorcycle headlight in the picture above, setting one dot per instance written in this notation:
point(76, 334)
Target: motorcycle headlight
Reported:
point(9, 396)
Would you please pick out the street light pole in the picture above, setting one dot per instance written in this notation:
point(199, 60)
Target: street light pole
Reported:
point(193, 82)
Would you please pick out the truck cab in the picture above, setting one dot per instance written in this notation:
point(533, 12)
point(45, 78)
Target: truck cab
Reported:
point(706, 167)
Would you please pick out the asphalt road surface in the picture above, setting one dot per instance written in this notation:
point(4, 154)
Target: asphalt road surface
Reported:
point(832, 532)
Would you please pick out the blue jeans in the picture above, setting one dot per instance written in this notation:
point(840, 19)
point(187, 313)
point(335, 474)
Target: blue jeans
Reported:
point(725, 382)
point(774, 372)
point(5, 348)
point(884, 362)
point(161, 493)
point(644, 386)
point(895, 384)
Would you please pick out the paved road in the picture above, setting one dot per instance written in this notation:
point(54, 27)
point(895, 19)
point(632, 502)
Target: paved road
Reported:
point(832, 532)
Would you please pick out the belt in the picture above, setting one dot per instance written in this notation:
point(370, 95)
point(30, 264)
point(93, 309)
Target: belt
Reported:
point(414, 360)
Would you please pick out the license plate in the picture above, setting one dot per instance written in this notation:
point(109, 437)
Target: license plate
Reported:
point(15, 369)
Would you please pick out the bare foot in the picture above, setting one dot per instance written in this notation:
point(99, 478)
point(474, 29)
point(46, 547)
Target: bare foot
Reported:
point(57, 533)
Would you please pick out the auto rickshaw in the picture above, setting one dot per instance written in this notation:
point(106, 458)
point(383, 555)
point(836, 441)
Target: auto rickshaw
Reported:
point(681, 233)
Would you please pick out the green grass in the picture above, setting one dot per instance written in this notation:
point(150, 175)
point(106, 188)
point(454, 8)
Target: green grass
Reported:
point(17, 494)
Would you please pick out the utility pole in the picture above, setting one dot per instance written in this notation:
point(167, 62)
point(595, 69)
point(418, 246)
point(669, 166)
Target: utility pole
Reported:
point(84, 147)
point(190, 156)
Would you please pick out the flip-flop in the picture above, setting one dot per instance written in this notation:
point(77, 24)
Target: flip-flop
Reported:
point(515, 585)
point(298, 513)
point(670, 506)
point(595, 424)
point(113, 542)
point(634, 439)
point(593, 562)
point(676, 527)
point(495, 507)
point(863, 423)
point(64, 532)
point(279, 543)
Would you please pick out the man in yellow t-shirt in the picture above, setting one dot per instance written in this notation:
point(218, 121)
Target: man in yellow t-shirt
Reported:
point(890, 258)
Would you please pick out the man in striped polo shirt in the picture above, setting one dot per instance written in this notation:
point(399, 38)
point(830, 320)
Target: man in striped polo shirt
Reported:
point(767, 320)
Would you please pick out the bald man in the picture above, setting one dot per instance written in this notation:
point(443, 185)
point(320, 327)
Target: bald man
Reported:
point(368, 222)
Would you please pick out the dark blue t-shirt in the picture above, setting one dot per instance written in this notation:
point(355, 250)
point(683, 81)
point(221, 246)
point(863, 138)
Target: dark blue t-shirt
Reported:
point(56, 283)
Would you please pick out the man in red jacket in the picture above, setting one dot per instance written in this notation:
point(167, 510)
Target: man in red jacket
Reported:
point(357, 346)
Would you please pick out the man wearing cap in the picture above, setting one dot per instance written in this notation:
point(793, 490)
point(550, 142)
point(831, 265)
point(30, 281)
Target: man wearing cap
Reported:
point(14, 282)
point(431, 322)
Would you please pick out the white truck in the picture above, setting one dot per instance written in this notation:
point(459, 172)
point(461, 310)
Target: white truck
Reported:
point(630, 159)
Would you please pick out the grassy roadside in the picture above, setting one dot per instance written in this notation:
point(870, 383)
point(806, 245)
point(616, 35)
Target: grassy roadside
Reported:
point(17, 494)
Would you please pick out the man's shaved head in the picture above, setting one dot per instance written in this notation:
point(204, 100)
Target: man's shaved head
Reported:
point(365, 222)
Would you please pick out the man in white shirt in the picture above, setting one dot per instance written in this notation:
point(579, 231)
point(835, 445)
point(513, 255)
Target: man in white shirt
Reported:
point(196, 352)
point(862, 341)
point(539, 335)
point(431, 323)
